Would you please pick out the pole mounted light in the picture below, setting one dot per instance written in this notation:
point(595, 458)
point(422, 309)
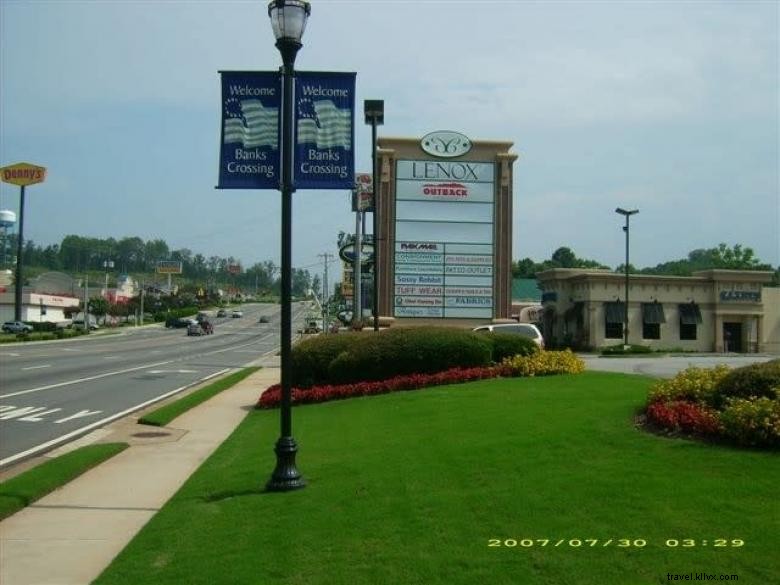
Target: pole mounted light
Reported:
point(627, 213)
point(374, 111)
point(288, 21)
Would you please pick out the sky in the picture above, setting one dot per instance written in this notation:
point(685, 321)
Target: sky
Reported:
point(667, 107)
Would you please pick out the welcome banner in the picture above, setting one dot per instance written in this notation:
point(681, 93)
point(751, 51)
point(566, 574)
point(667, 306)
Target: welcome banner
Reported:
point(324, 130)
point(249, 146)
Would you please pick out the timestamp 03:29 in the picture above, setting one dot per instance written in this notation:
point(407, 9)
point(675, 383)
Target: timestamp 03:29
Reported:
point(614, 542)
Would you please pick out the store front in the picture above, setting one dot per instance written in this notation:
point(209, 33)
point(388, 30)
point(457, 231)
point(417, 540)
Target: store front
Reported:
point(713, 310)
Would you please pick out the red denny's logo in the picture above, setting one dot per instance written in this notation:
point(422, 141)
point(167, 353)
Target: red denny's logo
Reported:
point(446, 189)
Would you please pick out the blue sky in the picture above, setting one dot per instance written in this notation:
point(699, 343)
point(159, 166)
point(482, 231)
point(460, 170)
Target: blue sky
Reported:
point(669, 107)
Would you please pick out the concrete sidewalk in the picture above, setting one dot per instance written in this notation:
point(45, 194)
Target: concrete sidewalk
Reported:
point(71, 535)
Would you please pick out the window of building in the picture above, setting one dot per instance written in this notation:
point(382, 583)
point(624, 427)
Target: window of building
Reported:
point(652, 317)
point(614, 317)
point(690, 317)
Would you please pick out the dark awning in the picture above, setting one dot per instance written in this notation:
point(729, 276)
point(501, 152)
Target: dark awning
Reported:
point(690, 314)
point(615, 312)
point(653, 313)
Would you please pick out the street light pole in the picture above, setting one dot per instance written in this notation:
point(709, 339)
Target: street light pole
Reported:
point(374, 111)
point(627, 214)
point(288, 21)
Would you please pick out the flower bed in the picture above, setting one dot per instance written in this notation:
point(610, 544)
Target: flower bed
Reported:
point(705, 402)
point(541, 363)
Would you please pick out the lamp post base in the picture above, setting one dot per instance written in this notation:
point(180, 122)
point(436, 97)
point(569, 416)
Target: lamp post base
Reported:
point(286, 476)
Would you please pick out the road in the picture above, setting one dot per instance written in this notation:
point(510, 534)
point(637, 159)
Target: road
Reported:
point(668, 366)
point(52, 392)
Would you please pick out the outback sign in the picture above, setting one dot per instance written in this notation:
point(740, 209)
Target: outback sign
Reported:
point(445, 144)
point(23, 174)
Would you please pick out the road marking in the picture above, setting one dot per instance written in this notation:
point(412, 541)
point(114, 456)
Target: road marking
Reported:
point(105, 421)
point(173, 371)
point(37, 367)
point(110, 357)
point(88, 379)
point(70, 349)
point(10, 354)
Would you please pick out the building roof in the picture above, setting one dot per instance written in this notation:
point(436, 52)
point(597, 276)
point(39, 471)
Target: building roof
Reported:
point(526, 289)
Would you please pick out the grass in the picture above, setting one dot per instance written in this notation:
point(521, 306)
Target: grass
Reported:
point(24, 489)
point(411, 487)
point(165, 414)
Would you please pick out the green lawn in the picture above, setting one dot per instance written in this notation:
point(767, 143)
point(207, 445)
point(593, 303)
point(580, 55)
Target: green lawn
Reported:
point(411, 487)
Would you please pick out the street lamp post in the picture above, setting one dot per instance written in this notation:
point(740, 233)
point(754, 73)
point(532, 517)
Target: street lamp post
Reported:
point(288, 21)
point(627, 214)
point(374, 111)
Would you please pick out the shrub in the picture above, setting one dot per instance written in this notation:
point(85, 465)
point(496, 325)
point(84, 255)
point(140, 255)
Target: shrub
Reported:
point(679, 415)
point(755, 380)
point(354, 357)
point(619, 350)
point(508, 345)
point(692, 384)
point(752, 422)
point(544, 363)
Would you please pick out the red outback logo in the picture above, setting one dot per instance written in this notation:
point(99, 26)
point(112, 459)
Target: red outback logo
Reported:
point(446, 190)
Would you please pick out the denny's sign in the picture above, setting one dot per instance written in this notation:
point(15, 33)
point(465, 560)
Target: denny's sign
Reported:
point(22, 174)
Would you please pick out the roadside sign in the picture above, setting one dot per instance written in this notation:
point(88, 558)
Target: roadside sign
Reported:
point(23, 174)
point(169, 267)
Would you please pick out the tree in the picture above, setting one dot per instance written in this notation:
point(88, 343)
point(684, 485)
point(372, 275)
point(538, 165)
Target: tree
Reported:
point(564, 258)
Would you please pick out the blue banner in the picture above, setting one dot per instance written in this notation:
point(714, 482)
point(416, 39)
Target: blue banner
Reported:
point(249, 147)
point(324, 130)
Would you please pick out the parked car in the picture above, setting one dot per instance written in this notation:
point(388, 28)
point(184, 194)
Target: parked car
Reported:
point(79, 324)
point(263, 319)
point(237, 314)
point(195, 329)
point(222, 313)
point(528, 330)
point(16, 327)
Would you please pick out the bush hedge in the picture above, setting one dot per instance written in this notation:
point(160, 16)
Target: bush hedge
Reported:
point(756, 380)
point(508, 345)
point(353, 357)
point(620, 350)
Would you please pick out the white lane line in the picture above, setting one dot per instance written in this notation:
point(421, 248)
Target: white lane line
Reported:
point(110, 357)
point(70, 349)
point(102, 422)
point(89, 379)
point(37, 367)
point(10, 354)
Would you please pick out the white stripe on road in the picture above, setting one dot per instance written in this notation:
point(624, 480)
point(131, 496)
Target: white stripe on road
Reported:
point(10, 354)
point(37, 367)
point(102, 422)
point(89, 379)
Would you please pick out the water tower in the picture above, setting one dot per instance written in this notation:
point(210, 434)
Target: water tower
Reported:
point(7, 220)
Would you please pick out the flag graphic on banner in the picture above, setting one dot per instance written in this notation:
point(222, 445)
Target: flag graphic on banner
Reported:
point(322, 123)
point(251, 124)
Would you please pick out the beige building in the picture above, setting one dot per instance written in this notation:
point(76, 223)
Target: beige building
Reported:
point(713, 310)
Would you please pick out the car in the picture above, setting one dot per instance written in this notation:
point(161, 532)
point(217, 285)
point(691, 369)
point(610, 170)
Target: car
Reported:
point(195, 329)
point(79, 324)
point(528, 330)
point(263, 319)
point(178, 322)
point(222, 313)
point(237, 314)
point(16, 327)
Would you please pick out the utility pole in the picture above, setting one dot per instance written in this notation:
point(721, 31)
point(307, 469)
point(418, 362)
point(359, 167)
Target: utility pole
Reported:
point(325, 294)
point(357, 302)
